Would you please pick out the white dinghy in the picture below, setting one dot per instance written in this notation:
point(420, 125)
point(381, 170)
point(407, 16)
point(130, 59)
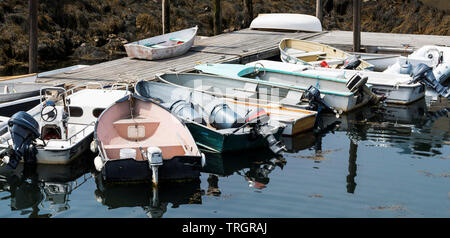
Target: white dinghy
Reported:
point(437, 57)
point(286, 21)
point(163, 46)
point(58, 129)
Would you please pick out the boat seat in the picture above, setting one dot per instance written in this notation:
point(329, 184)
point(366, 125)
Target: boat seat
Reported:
point(168, 151)
point(136, 129)
point(292, 97)
point(157, 46)
point(241, 93)
point(202, 87)
point(177, 39)
point(309, 56)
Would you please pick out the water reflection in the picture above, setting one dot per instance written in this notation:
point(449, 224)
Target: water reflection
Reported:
point(43, 190)
point(254, 167)
point(152, 200)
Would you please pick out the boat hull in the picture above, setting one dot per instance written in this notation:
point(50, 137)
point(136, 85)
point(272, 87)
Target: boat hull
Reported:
point(223, 143)
point(64, 156)
point(131, 170)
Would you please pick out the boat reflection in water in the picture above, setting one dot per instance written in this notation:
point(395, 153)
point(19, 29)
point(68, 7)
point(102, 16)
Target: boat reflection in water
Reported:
point(43, 190)
point(253, 166)
point(153, 200)
point(417, 129)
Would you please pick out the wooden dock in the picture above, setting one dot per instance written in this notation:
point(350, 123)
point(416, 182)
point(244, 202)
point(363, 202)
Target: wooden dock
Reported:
point(235, 47)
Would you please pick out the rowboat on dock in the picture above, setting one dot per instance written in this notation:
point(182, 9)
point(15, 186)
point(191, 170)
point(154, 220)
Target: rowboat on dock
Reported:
point(291, 87)
point(57, 130)
point(216, 125)
point(286, 22)
point(395, 88)
point(137, 137)
point(312, 53)
point(163, 46)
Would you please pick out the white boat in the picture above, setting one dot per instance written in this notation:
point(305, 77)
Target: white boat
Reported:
point(291, 87)
point(58, 129)
point(286, 21)
point(163, 46)
point(433, 56)
point(394, 87)
point(296, 51)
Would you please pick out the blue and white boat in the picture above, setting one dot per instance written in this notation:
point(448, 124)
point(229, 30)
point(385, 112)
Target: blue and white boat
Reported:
point(291, 86)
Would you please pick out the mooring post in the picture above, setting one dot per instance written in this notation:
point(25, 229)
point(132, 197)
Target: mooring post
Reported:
point(165, 16)
point(356, 25)
point(33, 47)
point(217, 19)
point(248, 12)
point(319, 13)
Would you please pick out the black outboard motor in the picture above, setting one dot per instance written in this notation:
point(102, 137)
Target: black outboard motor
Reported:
point(424, 74)
point(259, 120)
point(316, 103)
point(223, 117)
point(24, 129)
point(186, 110)
point(351, 63)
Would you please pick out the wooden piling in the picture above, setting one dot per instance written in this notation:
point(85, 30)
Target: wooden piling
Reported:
point(33, 32)
point(319, 11)
point(165, 16)
point(356, 25)
point(217, 17)
point(248, 12)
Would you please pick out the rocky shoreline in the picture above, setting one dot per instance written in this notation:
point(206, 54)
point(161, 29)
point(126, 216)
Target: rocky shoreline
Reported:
point(91, 31)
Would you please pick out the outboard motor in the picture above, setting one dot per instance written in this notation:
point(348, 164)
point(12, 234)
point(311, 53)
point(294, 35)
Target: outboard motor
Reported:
point(358, 83)
point(351, 63)
point(223, 117)
point(259, 120)
point(186, 110)
point(24, 129)
point(424, 74)
point(316, 103)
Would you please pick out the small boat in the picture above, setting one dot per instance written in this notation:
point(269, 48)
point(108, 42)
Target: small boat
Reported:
point(286, 21)
point(291, 87)
point(136, 135)
point(57, 130)
point(395, 88)
point(163, 46)
point(215, 124)
point(433, 56)
point(312, 53)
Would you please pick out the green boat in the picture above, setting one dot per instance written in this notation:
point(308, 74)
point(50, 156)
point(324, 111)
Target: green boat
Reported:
point(196, 110)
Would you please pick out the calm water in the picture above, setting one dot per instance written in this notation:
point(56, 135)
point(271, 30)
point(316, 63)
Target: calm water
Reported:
point(371, 163)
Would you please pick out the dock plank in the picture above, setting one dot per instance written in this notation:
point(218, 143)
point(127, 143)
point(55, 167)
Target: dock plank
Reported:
point(234, 47)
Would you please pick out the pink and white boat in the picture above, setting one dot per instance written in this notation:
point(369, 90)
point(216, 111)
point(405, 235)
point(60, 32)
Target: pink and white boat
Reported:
point(136, 137)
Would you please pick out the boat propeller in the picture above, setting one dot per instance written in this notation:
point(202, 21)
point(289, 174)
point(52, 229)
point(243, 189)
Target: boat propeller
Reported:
point(423, 74)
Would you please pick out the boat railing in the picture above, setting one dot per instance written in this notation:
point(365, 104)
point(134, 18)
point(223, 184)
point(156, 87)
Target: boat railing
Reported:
point(86, 85)
point(80, 131)
point(119, 85)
